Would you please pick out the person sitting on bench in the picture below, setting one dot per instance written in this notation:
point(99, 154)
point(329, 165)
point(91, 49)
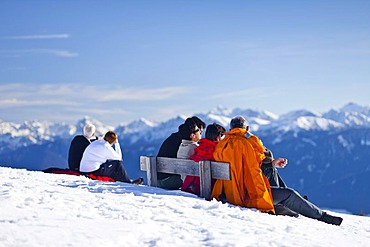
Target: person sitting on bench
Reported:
point(169, 149)
point(214, 133)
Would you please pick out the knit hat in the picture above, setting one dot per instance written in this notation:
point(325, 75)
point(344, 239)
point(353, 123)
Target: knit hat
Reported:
point(238, 122)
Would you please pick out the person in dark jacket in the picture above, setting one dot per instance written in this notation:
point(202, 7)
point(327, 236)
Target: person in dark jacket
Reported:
point(78, 146)
point(169, 149)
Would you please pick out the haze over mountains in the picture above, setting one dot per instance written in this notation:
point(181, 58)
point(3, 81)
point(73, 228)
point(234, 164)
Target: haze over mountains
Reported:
point(328, 152)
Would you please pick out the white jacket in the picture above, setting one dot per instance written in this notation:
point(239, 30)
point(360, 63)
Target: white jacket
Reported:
point(97, 153)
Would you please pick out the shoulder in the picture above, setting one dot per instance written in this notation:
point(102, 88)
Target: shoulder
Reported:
point(205, 141)
point(237, 139)
point(188, 143)
point(174, 137)
point(98, 143)
point(78, 137)
point(235, 142)
point(254, 138)
point(79, 140)
point(95, 138)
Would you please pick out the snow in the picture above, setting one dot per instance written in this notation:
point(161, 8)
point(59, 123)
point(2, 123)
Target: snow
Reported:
point(39, 209)
point(223, 120)
point(345, 143)
point(310, 123)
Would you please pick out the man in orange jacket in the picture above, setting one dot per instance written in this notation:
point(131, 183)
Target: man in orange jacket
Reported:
point(248, 187)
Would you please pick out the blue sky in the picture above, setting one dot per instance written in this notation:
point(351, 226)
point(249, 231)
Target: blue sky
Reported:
point(117, 61)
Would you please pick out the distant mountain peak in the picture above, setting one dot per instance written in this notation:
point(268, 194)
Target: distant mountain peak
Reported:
point(300, 113)
point(353, 107)
point(101, 128)
point(147, 122)
point(220, 110)
point(140, 125)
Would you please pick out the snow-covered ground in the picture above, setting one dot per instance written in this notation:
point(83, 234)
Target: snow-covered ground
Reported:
point(38, 209)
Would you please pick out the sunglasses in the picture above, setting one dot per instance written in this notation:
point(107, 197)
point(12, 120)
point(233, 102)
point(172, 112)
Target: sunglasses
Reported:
point(198, 130)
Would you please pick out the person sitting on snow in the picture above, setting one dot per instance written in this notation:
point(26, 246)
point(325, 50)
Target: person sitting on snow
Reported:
point(78, 146)
point(282, 195)
point(247, 187)
point(101, 159)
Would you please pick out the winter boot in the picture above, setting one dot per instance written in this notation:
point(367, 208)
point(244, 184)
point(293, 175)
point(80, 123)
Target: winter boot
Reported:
point(138, 181)
point(327, 218)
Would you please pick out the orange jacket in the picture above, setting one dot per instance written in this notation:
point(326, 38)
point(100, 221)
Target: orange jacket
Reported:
point(247, 187)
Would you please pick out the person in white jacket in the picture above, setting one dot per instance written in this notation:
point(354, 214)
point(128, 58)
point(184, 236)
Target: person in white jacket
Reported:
point(104, 158)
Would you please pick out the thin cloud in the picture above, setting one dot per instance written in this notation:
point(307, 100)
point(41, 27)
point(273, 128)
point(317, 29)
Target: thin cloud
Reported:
point(97, 93)
point(137, 94)
point(6, 103)
point(41, 36)
point(102, 111)
point(5, 88)
point(57, 53)
point(71, 94)
point(253, 93)
point(62, 53)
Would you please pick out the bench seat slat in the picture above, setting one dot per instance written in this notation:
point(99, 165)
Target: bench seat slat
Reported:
point(178, 166)
point(206, 170)
point(219, 170)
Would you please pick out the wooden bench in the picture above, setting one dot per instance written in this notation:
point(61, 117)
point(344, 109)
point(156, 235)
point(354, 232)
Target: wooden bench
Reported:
point(206, 170)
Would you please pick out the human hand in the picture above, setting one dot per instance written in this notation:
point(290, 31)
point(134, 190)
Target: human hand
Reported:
point(280, 162)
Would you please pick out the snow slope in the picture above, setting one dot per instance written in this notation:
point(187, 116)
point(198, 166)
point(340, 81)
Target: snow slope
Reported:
point(38, 209)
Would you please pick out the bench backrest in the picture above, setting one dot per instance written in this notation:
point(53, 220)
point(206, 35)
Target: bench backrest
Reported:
point(206, 170)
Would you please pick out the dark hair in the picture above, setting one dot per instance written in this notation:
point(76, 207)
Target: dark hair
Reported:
point(186, 129)
point(180, 126)
point(197, 121)
point(238, 122)
point(214, 130)
point(110, 137)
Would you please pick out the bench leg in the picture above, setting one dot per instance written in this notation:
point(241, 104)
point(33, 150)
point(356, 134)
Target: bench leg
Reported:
point(151, 171)
point(205, 179)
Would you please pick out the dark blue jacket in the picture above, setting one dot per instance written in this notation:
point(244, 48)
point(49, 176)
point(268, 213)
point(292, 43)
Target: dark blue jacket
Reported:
point(76, 150)
point(169, 149)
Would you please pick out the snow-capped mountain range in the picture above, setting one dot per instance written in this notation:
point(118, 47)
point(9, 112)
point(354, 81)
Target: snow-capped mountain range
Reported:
point(35, 132)
point(328, 152)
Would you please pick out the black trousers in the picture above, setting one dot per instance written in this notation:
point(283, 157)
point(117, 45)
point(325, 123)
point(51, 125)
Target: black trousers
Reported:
point(113, 169)
point(172, 182)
